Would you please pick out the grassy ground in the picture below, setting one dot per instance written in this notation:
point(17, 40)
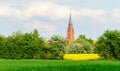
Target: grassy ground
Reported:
point(58, 65)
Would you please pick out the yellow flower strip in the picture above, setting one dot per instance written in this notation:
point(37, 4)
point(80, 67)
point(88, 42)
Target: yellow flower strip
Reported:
point(81, 56)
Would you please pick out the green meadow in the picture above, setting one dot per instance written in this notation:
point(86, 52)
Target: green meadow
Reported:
point(58, 65)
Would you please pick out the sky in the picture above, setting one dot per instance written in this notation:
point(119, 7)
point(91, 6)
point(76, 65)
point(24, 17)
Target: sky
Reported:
point(51, 17)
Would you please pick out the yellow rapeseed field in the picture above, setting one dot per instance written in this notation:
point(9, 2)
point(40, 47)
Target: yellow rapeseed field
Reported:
point(81, 56)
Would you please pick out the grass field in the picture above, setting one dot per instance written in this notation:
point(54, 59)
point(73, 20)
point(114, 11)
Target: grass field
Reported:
point(58, 65)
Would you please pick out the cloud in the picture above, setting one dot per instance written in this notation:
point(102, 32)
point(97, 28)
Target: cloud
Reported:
point(116, 13)
point(56, 11)
point(95, 14)
point(50, 10)
point(4, 10)
point(41, 26)
point(47, 9)
point(8, 11)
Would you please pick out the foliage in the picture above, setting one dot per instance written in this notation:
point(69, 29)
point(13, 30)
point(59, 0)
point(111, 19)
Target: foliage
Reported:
point(2, 46)
point(56, 47)
point(82, 45)
point(31, 46)
point(108, 45)
point(22, 46)
point(79, 48)
point(83, 37)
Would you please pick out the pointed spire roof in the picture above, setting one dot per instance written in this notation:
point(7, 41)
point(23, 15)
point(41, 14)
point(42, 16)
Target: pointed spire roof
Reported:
point(70, 25)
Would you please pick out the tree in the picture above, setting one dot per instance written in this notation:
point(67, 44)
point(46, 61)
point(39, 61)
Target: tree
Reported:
point(2, 45)
point(40, 45)
point(83, 37)
point(32, 46)
point(56, 46)
point(22, 46)
point(81, 45)
point(108, 45)
point(12, 48)
point(79, 48)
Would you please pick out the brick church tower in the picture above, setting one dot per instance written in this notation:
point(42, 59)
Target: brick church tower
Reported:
point(70, 31)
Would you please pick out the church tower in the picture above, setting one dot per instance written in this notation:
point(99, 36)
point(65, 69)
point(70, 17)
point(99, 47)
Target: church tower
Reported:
point(70, 31)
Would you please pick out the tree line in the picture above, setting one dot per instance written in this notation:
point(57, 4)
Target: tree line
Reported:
point(32, 46)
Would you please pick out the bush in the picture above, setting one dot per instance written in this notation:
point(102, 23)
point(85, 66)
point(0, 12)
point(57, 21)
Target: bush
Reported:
point(56, 47)
point(79, 48)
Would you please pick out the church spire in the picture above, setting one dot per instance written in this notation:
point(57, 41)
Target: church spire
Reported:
point(70, 30)
point(70, 25)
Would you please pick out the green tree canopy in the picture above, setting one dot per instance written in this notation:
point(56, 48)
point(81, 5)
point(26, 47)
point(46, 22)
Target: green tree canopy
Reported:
point(57, 45)
point(108, 45)
point(79, 48)
point(22, 46)
point(81, 45)
point(2, 45)
point(83, 37)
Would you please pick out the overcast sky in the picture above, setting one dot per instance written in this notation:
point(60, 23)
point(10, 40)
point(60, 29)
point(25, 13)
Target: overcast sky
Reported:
point(49, 17)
